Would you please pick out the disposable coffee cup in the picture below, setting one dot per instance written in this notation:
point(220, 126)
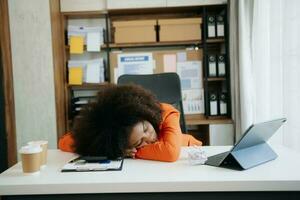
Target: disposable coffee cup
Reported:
point(31, 159)
point(44, 145)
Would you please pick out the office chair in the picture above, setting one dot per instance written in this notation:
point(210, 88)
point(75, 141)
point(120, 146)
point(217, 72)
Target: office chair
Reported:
point(165, 86)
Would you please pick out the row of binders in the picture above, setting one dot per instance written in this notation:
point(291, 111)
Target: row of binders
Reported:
point(86, 71)
point(218, 102)
point(215, 26)
point(216, 65)
point(92, 37)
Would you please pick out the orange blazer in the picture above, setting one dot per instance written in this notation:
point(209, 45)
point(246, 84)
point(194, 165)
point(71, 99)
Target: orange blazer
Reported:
point(170, 139)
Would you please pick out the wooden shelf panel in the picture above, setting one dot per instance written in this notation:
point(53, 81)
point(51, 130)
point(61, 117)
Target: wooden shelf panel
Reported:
point(154, 44)
point(85, 86)
point(201, 119)
point(84, 14)
point(216, 40)
point(216, 79)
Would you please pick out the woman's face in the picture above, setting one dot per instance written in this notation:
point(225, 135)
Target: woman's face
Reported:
point(142, 134)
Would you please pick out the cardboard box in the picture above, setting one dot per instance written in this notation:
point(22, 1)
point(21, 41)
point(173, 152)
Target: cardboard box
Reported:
point(135, 31)
point(181, 29)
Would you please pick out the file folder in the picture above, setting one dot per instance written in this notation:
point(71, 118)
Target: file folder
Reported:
point(76, 44)
point(221, 65)
point(212, 66)
point(211, 26)
point(223, 103)
point(213, 104)
point(75, 75)
point(220, 26)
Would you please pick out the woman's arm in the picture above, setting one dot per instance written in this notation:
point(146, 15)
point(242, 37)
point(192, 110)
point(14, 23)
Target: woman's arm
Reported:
point(167, 148)
point(189, 140)
point(66, 142)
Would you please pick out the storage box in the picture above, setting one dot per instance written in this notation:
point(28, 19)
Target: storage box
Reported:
point(181, 29)
point(135, 31)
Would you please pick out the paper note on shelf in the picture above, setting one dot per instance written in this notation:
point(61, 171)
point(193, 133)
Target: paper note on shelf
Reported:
point(190, 74)
point(193, 101)
point(170, 63)
point(93, 73)
point(75, 75)
point(135, 63)
point(76, 45)
point(181, 56)
point(93, 41)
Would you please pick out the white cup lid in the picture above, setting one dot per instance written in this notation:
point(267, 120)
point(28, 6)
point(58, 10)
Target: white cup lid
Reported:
point(38, 142)
point(30, 149)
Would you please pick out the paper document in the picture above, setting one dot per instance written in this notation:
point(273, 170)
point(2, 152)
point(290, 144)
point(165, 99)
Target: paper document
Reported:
point(181, 56)
point(193, 101)
point(190, 73)
point(170, 63)
point(135, 63)
point(93, 41)
point(93, 73)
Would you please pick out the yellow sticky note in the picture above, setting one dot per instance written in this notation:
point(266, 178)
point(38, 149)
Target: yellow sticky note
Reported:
point(75, 75)
point(76, 44)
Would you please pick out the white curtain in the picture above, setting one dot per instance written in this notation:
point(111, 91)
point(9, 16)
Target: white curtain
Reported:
point(265, 51)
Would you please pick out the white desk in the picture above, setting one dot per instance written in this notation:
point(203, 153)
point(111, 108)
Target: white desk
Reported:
point(143, 177)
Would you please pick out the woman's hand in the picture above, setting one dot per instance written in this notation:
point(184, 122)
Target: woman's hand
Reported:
point(130, 152)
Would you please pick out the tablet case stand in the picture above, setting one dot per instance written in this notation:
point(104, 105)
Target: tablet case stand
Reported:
point(249, 157)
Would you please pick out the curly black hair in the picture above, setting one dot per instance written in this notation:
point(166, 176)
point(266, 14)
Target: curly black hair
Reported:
point(104, 126)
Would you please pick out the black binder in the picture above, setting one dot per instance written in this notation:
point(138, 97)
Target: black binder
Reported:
point(251, 150)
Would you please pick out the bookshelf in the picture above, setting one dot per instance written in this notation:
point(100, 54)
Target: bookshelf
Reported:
point(206, 45)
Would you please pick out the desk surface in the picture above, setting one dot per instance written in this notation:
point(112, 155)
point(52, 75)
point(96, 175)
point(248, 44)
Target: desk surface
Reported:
point(282, 174)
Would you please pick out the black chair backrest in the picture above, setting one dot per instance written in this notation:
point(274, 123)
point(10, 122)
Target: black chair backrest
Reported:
point(165, 86)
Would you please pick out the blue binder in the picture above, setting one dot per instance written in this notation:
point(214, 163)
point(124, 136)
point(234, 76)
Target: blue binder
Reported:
point(251, 150)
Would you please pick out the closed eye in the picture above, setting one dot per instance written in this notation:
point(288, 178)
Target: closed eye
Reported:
point(139, 145)
point(145, 127)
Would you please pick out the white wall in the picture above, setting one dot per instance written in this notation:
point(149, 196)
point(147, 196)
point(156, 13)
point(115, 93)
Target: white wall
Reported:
point(33, 78)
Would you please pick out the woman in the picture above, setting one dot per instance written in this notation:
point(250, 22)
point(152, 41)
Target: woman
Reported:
point(128, 120)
